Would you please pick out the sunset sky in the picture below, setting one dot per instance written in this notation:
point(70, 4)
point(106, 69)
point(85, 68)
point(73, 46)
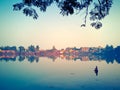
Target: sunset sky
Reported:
point(51, 28)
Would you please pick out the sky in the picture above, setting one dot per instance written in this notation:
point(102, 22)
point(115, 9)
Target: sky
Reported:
point(53, 29)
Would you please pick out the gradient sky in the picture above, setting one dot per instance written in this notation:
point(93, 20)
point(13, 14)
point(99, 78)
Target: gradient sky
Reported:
point(51, 28)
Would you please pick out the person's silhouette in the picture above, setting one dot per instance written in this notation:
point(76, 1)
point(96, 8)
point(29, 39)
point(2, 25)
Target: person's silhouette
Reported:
point(96, 70)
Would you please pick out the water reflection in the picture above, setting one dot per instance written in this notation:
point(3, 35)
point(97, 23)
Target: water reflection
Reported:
point(58, 75)
point(65, 73)
point(32, 58)
point(32, 53)
point(69, 69)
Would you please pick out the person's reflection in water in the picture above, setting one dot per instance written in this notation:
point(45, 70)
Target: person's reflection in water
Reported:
point(96, 70)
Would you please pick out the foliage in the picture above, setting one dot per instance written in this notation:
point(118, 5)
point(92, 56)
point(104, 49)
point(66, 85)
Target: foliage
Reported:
point(100, 8)
point(31, 48)
point(9, 48)
point(21, 49)
point(109, 53)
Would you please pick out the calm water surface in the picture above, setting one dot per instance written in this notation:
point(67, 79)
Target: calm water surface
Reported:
point(61, 74)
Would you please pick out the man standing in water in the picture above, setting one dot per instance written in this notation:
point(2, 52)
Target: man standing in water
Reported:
point(96, 70)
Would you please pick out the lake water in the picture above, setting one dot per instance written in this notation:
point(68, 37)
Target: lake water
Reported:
point(60, 74)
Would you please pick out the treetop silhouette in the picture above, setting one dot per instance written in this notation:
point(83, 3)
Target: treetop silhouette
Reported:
point(99, 9)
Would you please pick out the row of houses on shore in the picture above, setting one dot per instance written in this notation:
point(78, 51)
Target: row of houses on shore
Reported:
point(55, 52)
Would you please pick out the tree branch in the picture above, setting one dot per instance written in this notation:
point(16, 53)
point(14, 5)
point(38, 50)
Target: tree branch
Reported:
point(86, 15)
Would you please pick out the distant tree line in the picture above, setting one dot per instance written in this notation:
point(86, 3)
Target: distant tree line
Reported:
point(21, 49)
point(109, 53)
point(109, 50)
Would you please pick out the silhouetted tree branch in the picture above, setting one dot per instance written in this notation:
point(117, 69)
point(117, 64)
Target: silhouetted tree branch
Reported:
point(100, 8)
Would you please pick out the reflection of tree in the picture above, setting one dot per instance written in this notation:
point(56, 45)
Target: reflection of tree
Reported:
point(109, 54)
point(8, 58)
point(52, 57)
point(117, 54)
point(21, 58)
point(32, 58)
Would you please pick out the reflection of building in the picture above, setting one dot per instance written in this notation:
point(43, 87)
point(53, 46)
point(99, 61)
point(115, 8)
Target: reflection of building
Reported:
point(62, 56)
point(83, 53)
point(7, 52)
point(85, 58)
